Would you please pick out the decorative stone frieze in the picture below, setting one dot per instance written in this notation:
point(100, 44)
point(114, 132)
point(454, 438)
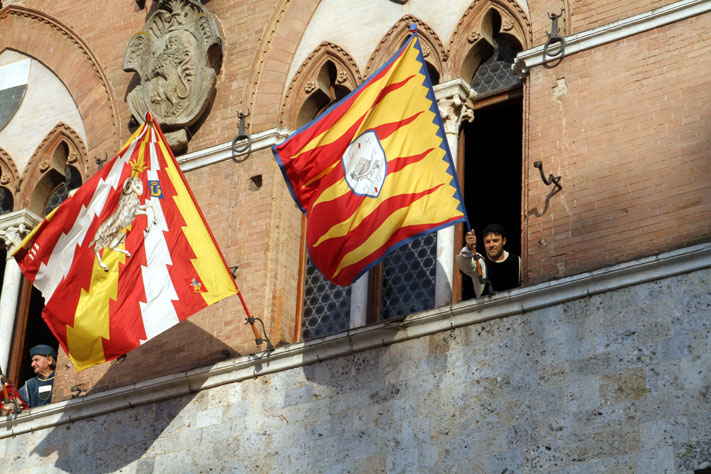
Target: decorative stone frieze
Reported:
point(177, 58)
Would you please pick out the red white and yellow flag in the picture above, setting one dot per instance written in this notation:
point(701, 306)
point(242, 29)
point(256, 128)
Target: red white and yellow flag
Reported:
point(126, 257)
point(374, 171)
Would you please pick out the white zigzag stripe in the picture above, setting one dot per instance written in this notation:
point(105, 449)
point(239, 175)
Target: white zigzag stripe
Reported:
point(49, 276)
point(158, 313)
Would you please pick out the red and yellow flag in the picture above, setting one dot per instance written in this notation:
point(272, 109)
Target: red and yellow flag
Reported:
point(374, 171)
point(126, 257)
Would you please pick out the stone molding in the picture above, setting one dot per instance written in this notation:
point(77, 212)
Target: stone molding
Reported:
point(297, 355)
point(305, 81)
point(9, 176)
point(222, 152)
point(615, 31)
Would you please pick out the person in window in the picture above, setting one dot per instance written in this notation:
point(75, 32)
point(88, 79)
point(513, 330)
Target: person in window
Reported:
point(37, 391)
point(498, 271)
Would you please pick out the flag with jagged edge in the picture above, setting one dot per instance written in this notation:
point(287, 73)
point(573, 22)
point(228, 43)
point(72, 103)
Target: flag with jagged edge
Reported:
point(374, 171)
point(110, 288)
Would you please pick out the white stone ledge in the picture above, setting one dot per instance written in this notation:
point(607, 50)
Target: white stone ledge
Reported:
point(615, 31)
point(297, 355)
point(222, 152)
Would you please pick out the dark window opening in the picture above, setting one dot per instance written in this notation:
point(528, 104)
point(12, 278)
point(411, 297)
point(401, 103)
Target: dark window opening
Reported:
point(6, 201)
point(492, 173)
point(34, 331)
point(30, 329)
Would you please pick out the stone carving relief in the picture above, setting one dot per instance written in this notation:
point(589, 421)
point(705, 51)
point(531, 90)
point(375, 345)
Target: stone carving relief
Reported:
point(456, 104)
point(12, 236)
point(177, 58)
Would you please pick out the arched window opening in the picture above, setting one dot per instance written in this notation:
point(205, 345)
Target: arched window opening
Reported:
point(326, 90)
point(491, 167)
point(496, 73)
point(61, 191)
point(6, 200)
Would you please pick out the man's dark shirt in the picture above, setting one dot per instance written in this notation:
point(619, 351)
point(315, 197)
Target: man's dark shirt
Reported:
point(503, 275)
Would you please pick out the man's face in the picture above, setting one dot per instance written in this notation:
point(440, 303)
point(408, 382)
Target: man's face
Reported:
point(494, 246)
point(41, 364)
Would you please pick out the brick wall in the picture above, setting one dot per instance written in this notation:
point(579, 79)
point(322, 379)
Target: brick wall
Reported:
point(594, 13)
point(627, 126)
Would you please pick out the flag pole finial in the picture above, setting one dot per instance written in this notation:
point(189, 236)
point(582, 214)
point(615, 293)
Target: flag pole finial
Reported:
point(413, 28)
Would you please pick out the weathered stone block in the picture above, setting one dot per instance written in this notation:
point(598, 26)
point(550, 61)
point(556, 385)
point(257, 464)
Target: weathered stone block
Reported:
point(629, 385)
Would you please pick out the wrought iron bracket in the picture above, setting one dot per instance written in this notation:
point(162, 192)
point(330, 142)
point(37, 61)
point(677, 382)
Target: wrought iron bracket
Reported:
point(245, 148)
point(100, 162)
point(258, 340)
point(555, 46)
point(551, 179)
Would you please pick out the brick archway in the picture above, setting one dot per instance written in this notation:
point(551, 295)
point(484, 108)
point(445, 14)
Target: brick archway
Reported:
point(263, 95)
point(45, 39)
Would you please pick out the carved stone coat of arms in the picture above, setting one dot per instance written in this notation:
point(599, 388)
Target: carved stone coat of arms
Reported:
point(177, 58)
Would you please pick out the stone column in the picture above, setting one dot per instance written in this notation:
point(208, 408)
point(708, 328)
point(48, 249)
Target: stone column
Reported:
point(456, 103)
point(359, 302)
point(13, 228)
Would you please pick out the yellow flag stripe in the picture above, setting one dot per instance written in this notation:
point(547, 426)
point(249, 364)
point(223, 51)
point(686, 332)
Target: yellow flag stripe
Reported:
point(208, 262)
point(91, 317)
point(422, 211)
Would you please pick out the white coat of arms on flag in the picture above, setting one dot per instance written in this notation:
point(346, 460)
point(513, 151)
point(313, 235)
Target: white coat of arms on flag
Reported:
point(364, 165)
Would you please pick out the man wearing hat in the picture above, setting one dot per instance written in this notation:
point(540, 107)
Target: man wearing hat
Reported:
point(37, 391)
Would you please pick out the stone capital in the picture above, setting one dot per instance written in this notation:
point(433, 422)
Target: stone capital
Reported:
point(455, 100)
point(15, 225)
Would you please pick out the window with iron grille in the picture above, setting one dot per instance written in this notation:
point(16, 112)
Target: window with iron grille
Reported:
point(405, 283)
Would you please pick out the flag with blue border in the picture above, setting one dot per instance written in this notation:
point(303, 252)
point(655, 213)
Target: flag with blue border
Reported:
point(374, 171)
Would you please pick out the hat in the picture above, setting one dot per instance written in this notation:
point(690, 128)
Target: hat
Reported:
point(43, 350)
